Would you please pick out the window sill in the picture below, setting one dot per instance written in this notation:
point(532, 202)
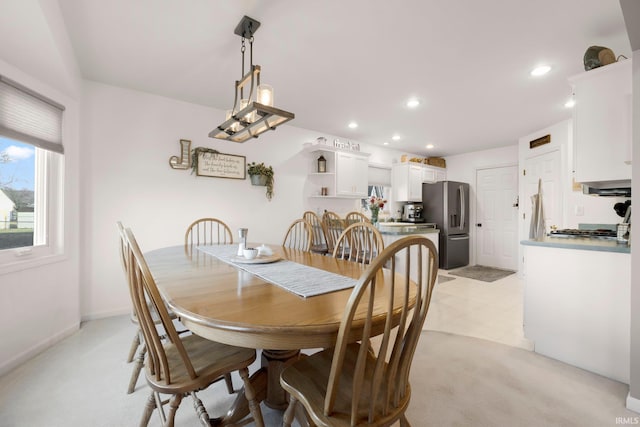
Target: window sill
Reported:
point(34, 261)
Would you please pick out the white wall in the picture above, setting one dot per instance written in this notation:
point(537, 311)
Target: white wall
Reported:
point(40, 305)
point(128, 137)
point(634, 401)
point(631, 11)
point(463, 168)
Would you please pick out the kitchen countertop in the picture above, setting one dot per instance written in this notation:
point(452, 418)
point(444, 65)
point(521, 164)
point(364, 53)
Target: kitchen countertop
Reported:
point(603, 245)
point(404, 228)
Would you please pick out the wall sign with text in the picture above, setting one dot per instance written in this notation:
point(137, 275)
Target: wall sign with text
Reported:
point(220, 165)
point(209, 162)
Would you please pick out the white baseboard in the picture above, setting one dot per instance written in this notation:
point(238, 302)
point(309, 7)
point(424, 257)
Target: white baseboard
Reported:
point(105, 314)
point(633, 404)
point(13, 363)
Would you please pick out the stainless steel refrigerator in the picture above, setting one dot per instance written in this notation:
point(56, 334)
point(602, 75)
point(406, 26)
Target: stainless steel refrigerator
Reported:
point(446, 204)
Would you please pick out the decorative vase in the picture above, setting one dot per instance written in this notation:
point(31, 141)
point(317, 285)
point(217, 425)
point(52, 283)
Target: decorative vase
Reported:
point(258, 180)
point(374, 214)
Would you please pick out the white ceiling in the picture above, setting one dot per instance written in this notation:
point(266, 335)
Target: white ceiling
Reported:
point(334, 61)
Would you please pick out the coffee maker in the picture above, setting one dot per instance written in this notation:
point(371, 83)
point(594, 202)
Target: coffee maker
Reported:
point(412, 212)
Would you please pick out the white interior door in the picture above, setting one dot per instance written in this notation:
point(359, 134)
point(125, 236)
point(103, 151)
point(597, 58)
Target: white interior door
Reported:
point(497, 217)
point(547, 168)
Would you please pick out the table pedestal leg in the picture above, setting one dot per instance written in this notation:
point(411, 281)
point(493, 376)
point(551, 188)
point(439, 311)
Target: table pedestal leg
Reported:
point(240, 407)
point(275, 361)
point(266, 383)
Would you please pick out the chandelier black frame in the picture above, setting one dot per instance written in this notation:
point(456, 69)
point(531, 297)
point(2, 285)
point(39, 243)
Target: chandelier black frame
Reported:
point(250, 118)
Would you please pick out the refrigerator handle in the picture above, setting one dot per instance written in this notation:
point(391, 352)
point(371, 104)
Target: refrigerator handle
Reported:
point(463, 213)
point(465, 237)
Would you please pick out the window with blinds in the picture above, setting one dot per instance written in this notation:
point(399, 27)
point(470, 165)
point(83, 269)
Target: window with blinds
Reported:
point(31, 165)
point(30, 117)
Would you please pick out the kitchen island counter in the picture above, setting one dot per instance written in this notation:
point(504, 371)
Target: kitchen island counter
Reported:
point(576, 303)
point(404, 229)
point(580, 243)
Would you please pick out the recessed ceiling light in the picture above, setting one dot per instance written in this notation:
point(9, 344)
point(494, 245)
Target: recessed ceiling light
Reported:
point(385, 143)
point(396, 137)
point(353, 125)
point(413, 102)
point(570, 103)
point(540, 71)
point(430, 146)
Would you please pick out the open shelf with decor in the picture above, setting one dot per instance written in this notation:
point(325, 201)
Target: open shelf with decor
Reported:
point(336, 172)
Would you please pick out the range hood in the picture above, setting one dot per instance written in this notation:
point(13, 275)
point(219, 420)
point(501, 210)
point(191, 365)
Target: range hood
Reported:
point(607, 188)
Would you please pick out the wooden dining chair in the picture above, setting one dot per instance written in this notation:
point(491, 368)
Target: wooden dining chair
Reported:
point(317, 228)
point(137, 345)
point(360, 242)
point(354, 384)
point(299, 236)
point(355, 216)
point(333, 226)
point(208, 231)
point(175, 365)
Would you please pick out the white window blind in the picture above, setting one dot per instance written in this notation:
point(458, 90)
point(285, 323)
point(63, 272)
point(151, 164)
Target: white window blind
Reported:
point(29, 117)
point(379, 175)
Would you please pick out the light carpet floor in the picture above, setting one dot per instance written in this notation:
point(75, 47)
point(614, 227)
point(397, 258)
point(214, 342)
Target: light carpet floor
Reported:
point(456, 381)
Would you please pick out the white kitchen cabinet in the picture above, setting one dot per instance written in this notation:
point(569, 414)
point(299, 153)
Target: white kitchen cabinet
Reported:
point(602, 123)
point(576, 308)
point(351, 175)
point(407, 182)
point(428, 175)
point(431, 174)
point(408, 178)
point(346, 175)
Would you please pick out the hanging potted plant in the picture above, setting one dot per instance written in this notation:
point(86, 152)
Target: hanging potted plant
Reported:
point(261, 175)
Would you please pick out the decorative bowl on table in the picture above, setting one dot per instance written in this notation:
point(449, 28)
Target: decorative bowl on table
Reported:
point(264, 250)
point(250, 253)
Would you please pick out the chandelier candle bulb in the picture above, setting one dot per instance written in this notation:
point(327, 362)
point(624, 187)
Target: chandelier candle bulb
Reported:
point(265, 95)
point(234, 126)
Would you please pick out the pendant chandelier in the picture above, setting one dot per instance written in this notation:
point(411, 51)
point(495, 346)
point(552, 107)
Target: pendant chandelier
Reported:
point(255, 113)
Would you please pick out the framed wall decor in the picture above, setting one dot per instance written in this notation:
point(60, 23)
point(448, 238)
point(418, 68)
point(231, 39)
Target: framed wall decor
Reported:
point(219, 165)
point(184, 161)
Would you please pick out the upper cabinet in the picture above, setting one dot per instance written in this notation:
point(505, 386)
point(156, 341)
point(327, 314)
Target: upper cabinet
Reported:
point(346, 173)
point(602, 124)
point(407, 179)
point(433, 174)
point(351, 175)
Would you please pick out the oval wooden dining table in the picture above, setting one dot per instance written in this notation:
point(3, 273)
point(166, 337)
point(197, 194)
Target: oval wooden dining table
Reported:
point(224, 303)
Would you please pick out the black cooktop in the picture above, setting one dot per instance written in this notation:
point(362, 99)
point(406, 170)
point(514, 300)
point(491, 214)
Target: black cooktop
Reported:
point(572, 232)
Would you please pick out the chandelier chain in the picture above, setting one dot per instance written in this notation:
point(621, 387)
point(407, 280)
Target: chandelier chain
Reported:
point(242, 49)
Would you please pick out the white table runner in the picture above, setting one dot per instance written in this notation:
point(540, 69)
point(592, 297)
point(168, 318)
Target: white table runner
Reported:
point(300, 279)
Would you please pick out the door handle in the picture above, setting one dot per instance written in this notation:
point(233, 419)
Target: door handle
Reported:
point(459, 238)
point(463, 213)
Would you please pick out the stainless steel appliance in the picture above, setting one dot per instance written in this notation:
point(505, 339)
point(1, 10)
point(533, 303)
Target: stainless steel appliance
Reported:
point(599, 233)
point(412, 212)
point(446, 203)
